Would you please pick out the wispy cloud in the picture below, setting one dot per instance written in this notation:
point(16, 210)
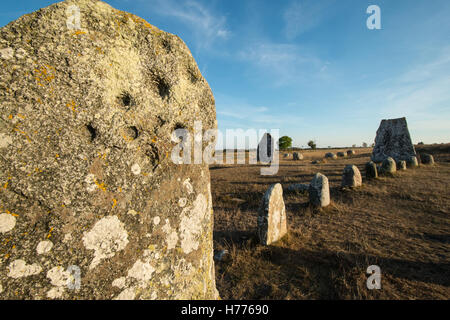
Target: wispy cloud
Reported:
point(206, 25)
point(284, 64)
point(302, 16)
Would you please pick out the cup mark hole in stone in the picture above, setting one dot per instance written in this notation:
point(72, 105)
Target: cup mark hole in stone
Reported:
point(126, 99)
point(92, 131)
point(132, 132)
point(163, 88)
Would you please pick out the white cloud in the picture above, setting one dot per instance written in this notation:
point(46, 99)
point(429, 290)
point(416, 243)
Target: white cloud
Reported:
point(206, 25)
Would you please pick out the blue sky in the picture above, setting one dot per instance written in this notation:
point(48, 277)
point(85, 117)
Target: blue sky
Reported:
point(311, 68)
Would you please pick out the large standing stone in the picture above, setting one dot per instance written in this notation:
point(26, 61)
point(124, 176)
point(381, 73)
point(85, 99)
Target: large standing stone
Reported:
point(388, 166)
point(393, 140)
point(351, 177)
point(265, 149)
point(371, 170)
point(319, 191)
point(297, 156)
point(88, 116)
point(272, 216)
point(426, 158)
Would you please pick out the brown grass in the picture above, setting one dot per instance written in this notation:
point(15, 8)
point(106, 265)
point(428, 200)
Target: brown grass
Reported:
point(399, 223)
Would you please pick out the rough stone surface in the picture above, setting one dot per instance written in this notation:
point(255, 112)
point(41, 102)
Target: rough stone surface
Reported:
point(388, 166)
point(264, 151)
point(319, 191)
point(427, 158)
point(351, 177)
point(412, 162)
point(86, 128)
point(297, 156)
point(272, 216)
point(401, 165)
point(393, 140)
point(371, 170)
point(330, 155)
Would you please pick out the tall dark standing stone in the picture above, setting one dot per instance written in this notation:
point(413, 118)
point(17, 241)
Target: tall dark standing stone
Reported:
point(265, 149)
point(88, 188)
point(393, 140)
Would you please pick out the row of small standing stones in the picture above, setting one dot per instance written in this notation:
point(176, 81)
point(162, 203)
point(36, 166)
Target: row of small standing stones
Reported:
point(272, 225)
point(299, 156)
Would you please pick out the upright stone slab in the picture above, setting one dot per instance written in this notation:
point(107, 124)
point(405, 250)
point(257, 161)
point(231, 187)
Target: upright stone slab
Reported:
point(393, 140)
point(388, 166)
point(427, 158)
point(371, 170)
point(330, 155)
point(319, 191)
point(351, 152)
point(341, 154)
point(401, 165)
point(264, 152)
point(412, 162)
point(297, 156)
point(351, 177)
point(272, 216)
point(88, 184)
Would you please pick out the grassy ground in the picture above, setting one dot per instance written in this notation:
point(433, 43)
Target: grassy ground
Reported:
point(399, 223)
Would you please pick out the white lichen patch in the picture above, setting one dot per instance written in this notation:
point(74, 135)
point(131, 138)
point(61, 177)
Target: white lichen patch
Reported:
point(44, 246)
point(19, 269)
point(136, 169)
point(67, 238)
point(141, 271)
point(90, 181)
point(58, 276)
point(107, 237)
point(119, 282)
point(182, 202)
point(172, 236)
point(127, 294)
point(132, 212)
point(191, 224)
point(5, 140)
point(188, 186)
point(7, 53)
point(55, 293)
point(156, 220)
point(7, 222)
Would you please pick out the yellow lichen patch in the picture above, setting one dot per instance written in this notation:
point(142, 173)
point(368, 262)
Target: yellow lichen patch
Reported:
point(50, 233)
point(11, 213)
point(114, 203)
point(100, 185)
point(24, 133)
point(78, 32)
point(7, 183)
point(44, 75)
point(72, 105)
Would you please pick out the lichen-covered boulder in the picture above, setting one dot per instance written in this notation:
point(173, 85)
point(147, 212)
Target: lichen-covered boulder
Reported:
point(91, 204)
point(388, 166)
point(427, 158)
point(371, 170)
point(297, 156)
point(319, 191)
point(330, 155)
point(393, 140)
point(412, 162)
point(272, 216)
point(351, 177)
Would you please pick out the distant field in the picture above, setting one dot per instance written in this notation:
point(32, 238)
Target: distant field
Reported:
point(400, 223)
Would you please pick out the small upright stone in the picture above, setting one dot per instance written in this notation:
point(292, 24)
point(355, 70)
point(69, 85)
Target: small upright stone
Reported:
point(341, 154)
point(412, 162)
point(351, 152)
point(388, 166)
point(330, 155)
point(272, 216)
point(371, 170)
point(319, 191)
point(286, 155)
point(427, 158)
point(297, 156)
point(264, 151)
point(401, 165)
point(351, 177)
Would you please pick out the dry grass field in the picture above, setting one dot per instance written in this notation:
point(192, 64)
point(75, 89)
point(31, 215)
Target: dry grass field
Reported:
point(400, 223)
